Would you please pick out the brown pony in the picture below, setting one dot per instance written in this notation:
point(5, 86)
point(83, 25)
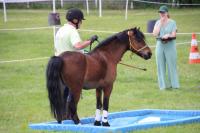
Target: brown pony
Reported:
point(70, 72)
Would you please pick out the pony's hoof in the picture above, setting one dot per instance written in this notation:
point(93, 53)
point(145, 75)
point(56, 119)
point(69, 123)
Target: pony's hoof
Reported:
point(97, 123)
point(105, 124)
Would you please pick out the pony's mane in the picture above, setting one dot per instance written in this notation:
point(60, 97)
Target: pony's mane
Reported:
point(122, 36)
point(106, 41)
point(138, 34)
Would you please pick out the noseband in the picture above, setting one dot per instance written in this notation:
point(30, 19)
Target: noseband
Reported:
point(132, 46)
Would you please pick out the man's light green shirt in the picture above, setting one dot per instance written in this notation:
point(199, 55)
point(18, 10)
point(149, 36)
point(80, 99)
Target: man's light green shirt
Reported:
point(66, 37)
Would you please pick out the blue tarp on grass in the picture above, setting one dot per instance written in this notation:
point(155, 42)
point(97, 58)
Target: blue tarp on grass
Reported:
point(126, 121)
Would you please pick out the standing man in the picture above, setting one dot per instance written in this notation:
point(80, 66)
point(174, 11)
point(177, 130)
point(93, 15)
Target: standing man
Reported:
point(67, 37)
point(166, 55)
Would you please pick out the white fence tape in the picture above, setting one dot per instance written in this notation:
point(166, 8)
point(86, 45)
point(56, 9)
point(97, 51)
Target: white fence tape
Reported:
point(161, 3)
point(44, 58)
point(23, 60)
point(22, 29)
point(84, 30)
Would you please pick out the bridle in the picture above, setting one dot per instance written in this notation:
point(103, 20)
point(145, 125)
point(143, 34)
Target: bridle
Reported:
point(137, 50)
point(132, 46)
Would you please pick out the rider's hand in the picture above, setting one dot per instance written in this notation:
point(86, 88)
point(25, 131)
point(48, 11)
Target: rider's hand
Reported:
point(93, 38)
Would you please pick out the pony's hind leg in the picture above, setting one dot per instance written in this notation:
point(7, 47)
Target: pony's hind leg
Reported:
point(67, 97)
point(74, 97)
point(98, 107)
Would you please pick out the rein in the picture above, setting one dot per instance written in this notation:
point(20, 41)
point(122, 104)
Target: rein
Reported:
point(91, 44)
point(144, 69)
point(131, 44)
point(131, 47)
point(137, 50)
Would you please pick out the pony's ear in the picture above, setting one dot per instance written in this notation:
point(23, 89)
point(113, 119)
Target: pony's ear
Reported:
point(130, 32)
point(134, 30)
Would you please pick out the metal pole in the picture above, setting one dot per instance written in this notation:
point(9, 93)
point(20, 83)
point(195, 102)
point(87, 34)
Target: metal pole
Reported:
point(54, 6)
point(126, 12)
point(100, 9)
point(54, 27)
point(96, 3)
point(61, 3)
point(173, 3)
point(4, 11)
point(87, 6)
point(27, 5)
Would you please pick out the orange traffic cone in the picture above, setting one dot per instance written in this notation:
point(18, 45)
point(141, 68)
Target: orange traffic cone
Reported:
point(194, 52)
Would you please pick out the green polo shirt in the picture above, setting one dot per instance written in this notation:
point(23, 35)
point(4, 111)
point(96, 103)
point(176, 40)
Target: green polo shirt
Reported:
point(66, 37)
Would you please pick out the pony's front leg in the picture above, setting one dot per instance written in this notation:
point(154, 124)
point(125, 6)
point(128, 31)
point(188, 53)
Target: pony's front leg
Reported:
point(107, 92)
point(98, 107)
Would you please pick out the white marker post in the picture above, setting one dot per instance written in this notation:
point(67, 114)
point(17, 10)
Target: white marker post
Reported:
point(87, 6)
point(54, 27)
point(100, 8)
point(4, 11)
point(126, 12)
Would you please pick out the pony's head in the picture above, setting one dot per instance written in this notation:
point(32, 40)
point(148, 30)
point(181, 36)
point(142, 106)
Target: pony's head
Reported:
point(137, 43)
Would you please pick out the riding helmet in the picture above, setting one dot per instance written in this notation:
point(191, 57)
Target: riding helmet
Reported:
point(74, 13)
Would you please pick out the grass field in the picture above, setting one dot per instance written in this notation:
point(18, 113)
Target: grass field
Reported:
point(23, 96)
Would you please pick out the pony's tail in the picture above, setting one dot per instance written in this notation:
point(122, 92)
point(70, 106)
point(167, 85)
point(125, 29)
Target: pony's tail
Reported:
point(53, 83)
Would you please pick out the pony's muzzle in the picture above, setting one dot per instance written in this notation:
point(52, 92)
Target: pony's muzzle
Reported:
point(147, 55)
